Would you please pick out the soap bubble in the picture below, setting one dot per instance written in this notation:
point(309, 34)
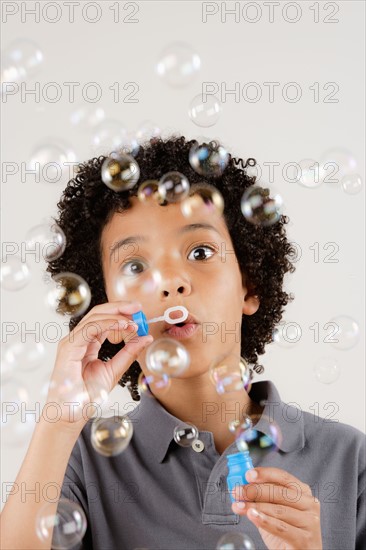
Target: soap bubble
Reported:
point(286, 334)
point(149, 190)
point(24, 356)
point(67, 390)
point(15, 427)
point(50, 238)
point(70, 294)
point(127, 281)
point(261, 438)
point(235, 541)
point(111, 436)
point(351, 184)
point(310, 175)
point(326, 370)
point(146, 131)
point(50, 160)
point(335, 164)
point(86, 116)
point(21, 60)
point(109, 135)
point(185, 436)
point(205, 110)
point(178, 64)
point(345, 332)
point(120, 172)
point(67, 525)
point(259, 207)
point(204, 200)
point(152, 384)
point(167, 356)
point(14, 274)
point(129, 145)
point(230, 373)
point(245, 424)
point(174, 186)
point(208, 159)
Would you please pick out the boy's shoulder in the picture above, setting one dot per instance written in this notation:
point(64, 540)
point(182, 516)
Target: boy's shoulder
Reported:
point(332, 430)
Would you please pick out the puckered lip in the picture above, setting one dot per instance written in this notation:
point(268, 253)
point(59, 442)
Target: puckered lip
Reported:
point(190, 320)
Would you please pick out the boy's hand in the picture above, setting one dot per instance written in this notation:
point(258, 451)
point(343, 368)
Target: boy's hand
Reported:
point(288, 514)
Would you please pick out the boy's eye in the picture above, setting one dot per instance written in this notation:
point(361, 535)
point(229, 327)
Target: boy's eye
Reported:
point(129, 268)
point(202, 247)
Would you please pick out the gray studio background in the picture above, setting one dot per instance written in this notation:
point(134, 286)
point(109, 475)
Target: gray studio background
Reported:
point(304, 52)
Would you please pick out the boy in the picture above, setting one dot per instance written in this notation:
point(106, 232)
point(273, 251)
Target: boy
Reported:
point(156, 494)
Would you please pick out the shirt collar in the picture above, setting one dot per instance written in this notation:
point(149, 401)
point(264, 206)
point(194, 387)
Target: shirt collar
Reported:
point(156, 424)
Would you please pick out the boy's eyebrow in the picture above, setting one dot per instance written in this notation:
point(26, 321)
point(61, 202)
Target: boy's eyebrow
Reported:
point(142, 238)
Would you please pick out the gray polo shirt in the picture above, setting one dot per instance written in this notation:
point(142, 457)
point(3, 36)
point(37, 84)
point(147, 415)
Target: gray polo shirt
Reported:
point(159, 495)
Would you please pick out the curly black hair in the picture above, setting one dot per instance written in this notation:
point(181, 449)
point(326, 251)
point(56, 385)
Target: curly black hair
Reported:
point(263, 252)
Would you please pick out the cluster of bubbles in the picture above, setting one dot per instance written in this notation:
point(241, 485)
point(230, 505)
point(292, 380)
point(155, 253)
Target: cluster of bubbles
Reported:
point(344, 335)
point(21, 60)
point(336, 168)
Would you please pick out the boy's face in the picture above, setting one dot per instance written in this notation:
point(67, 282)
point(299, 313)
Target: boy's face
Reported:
point(212, 290)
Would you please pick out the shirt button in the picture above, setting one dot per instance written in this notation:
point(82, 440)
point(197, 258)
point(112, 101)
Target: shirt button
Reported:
point(198, 446)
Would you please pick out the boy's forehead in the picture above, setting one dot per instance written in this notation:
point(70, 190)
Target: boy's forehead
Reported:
point(147, 217)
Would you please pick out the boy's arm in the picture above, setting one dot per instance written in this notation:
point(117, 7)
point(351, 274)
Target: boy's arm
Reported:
point(45, 463)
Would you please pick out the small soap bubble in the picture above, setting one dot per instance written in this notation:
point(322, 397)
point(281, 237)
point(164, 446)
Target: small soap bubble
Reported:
point(326, 370)
point(21, 60)
point(167, 356)
point(205, 110)
point(345, 332)
point(149, 190)
point(204, 200)
point(67, 525)
point(14, 274)
point(67, 390)
point(262, 437)
point(245, 423)
point(178, 64)
point(185, 436)
point(120, 172)
point(50, 161)
point(50, 238)
point(24, 356)
point(111, 436)
point(286, 334)
point(87, 116)
point(174, 186)
point(146, 131)
point(130, 279)
point(352, 184)
point(15, 426)
point(151, 384)
point(310, 173)
point(208, 159)
point(230, 373)
point(69, 294)
point(235, 541)
point(261, 205)
point(109, 135)
point(335, 164)
point(129, 145)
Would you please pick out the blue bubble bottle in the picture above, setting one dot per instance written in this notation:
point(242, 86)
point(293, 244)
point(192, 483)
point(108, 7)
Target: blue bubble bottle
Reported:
point(238, 464)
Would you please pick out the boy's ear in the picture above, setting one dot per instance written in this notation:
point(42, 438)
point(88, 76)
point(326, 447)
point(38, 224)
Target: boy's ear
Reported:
point(250, 299)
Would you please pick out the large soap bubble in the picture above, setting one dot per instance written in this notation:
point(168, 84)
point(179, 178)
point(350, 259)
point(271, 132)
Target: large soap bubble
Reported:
point(167, 356)
point(110, 436)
